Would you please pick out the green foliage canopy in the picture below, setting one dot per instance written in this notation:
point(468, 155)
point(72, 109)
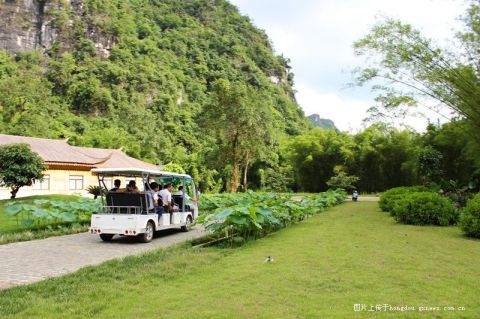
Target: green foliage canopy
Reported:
point(407, 66)
point(314, 156)
point(242, 125)
point(19, 166)
point(470, 217)
point(148, 90)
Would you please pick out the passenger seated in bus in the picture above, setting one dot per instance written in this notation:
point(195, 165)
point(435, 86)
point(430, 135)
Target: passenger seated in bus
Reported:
point(117, 184)
point(132, 187)
point(180, 192)
point(157, 202)
point(166, 197)
point(180, 197)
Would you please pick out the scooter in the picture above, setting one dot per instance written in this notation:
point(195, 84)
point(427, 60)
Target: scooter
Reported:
point(355, 196)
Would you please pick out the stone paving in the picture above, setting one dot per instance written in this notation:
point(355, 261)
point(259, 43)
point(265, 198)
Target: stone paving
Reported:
point(31, 261)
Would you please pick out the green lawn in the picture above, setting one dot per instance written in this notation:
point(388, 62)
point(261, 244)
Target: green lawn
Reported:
point(350, 254)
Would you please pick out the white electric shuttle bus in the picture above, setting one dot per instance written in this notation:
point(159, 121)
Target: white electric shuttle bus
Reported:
point(133, 213)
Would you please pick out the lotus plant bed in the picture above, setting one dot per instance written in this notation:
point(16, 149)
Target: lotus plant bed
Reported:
point(44, 216)
point(233, 219)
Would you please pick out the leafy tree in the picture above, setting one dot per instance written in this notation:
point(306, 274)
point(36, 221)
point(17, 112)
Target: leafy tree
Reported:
point(430, 162)
point(314, 156)
point(19, 166)
point(458, 154)
point(173, 167)
point(241, 125)
point(277, 179)
point(409, 66)
point(343, 181)
point(384, 157)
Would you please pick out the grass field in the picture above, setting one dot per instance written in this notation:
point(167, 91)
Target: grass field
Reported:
point(350, 254)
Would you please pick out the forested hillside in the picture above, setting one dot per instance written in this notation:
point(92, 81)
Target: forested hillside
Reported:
point(195, 85)
point(144, 76)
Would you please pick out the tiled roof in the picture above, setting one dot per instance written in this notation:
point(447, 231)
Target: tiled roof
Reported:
point(59, 152)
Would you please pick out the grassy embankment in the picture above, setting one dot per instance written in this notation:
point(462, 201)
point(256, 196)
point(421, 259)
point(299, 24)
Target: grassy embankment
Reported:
point(350, 254)
point(12, 230)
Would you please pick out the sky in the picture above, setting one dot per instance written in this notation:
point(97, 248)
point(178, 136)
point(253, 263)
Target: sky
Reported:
point(318, 36)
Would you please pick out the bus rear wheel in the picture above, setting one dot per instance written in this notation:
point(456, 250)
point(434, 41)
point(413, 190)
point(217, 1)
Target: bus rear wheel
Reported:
point(147, 236)
point(106, 237)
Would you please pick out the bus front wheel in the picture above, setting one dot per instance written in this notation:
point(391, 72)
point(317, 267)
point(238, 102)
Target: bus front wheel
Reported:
point(187, 223)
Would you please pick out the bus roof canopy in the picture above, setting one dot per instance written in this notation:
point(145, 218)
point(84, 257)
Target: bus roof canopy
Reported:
point(131, 171)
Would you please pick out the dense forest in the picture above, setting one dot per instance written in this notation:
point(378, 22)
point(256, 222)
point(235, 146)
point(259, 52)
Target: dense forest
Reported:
point(196, 86)
point(145, 76)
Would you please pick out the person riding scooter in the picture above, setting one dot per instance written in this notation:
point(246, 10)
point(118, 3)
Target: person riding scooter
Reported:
point(354, 196)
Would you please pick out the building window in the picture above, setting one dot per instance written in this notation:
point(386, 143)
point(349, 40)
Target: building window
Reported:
point(76, 182)
point(42, 185)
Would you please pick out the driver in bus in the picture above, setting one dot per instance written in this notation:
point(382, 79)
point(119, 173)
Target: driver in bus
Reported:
point(184, 195)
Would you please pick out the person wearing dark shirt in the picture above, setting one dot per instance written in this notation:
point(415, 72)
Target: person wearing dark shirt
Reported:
point(117, 184)
point(132, 187)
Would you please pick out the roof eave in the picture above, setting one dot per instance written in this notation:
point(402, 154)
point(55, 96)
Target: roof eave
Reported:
point(133, 171)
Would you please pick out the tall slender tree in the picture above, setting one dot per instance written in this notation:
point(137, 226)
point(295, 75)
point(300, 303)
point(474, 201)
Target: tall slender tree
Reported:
point(407, 65)
point(242, 125)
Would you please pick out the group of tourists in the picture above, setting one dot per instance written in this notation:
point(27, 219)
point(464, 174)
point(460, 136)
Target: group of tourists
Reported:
point(161, 197)
point(131, 187)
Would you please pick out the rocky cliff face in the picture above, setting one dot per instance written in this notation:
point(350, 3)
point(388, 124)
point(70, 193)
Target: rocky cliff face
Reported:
point(32, 24)
point(317, 121)
point(25, 25)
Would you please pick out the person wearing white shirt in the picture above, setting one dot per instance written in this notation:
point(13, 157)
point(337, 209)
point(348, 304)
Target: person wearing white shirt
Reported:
point(180, 198)
point(155, 199)
point(166, 195)
point(180, 192)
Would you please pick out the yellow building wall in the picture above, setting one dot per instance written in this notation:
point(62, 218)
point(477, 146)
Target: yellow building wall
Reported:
point(60, 184)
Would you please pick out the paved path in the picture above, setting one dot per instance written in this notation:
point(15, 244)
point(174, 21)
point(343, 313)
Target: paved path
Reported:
point(365, 198)
point(297, 198)
point(31, 261)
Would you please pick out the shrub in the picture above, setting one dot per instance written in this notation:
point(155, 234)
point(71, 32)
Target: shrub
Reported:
point(425, 208)
point(95, 190)
point(387, 200)
point(470, 217)
point(458, 194)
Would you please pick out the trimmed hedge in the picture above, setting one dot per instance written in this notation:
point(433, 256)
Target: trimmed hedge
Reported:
point(425, 208)
point(387, 199)
point(470, 217)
